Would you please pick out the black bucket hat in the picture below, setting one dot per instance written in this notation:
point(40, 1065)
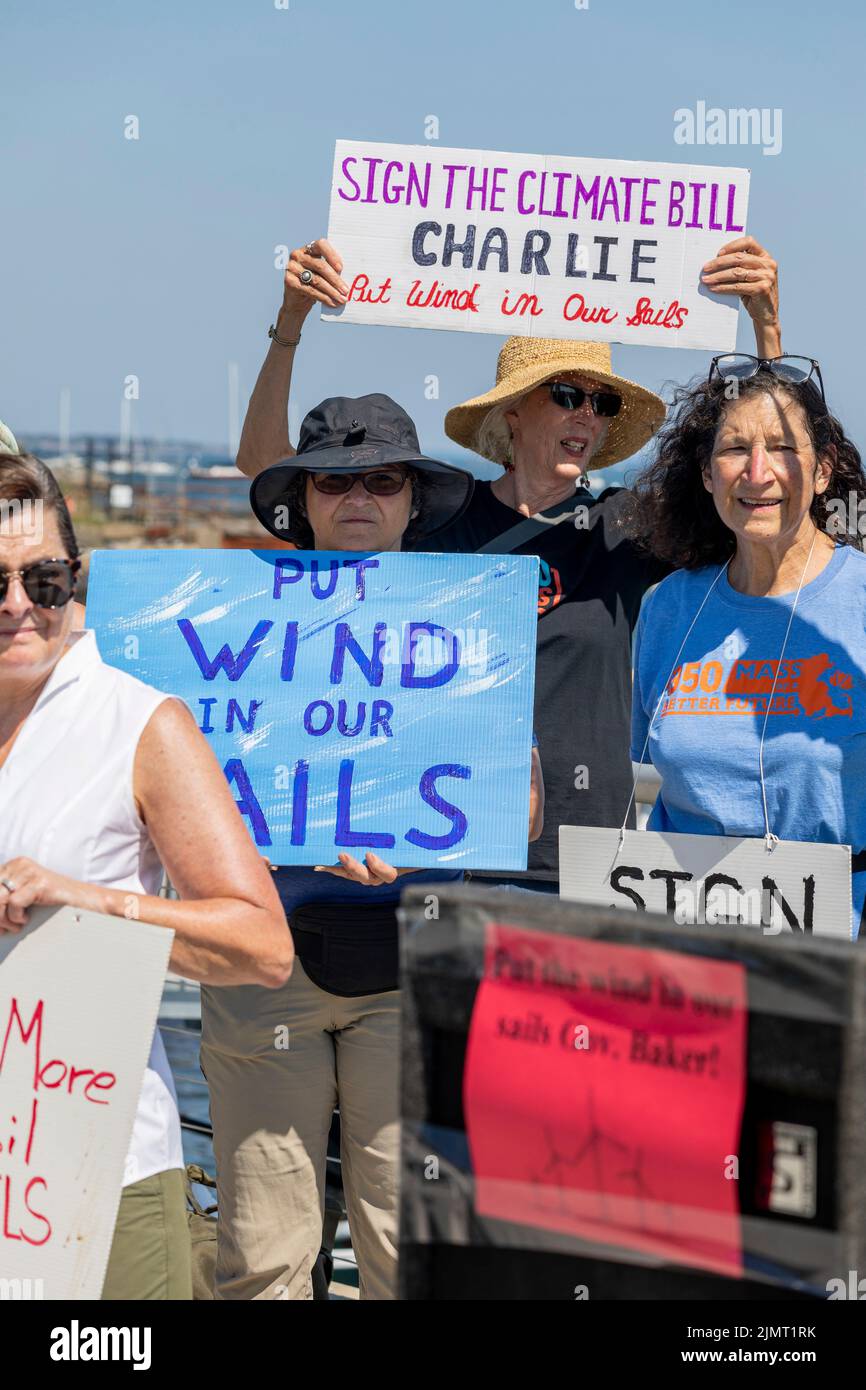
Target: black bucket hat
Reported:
point(346, 435)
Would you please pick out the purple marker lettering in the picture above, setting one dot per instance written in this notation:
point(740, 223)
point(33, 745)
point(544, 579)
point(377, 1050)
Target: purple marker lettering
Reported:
point(286, 572)
point(609, 198)
point(525, 209)
point(300, 789)
point(451, 169)
point(697, 190)
point(414, 187)
point(360, 566)
point(647, 202)
point(372, 164)
point(476, 187)
point(585, 194)
point(497, 190)
point(349, 197)
point(344, 836)
point(247, 803)
point(333, 572)
point(386, 183)
point(628, 185)
point(732, 226)
point(675, 204)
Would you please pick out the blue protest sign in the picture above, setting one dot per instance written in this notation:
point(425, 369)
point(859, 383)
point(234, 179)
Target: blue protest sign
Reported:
point(355, 702)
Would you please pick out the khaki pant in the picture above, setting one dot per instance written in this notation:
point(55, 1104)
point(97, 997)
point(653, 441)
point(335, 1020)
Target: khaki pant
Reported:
point(277, 1063)
point(150, 1251)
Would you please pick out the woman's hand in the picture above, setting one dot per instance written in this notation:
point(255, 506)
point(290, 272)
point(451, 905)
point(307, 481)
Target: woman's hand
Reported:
point(373, 873)
point(326, 286)
point(32, 886)
point(536, 798)
point(744, 268)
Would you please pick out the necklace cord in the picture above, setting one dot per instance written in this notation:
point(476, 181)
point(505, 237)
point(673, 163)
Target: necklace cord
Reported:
point(770, 840)
point(622, 828)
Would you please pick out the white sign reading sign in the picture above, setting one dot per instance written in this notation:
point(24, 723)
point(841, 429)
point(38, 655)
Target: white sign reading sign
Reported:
point(541, 245)
point(711, 879)
point(79, 995)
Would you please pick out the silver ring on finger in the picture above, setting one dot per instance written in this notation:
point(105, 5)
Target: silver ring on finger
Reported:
point(8, 885)
point(306, 277)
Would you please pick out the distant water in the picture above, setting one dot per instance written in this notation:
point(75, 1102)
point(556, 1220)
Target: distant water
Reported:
point(182, 1047)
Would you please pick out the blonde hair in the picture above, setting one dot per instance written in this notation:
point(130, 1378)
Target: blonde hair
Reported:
point(493, 440)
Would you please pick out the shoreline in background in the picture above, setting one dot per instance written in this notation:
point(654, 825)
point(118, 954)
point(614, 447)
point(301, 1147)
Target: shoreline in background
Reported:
point(149, 493)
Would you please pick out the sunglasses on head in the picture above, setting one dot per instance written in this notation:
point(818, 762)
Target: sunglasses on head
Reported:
point(379, 482)
point(568, 397)
point(742, 365)
point(47, 583)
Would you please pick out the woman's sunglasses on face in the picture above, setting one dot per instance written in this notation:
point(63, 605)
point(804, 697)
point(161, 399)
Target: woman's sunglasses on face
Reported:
point(380, 482)
point(47, 583)
point(568, 397)
point(740, 366)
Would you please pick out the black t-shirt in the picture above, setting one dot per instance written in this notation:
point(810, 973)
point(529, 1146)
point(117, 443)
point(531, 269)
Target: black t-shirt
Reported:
point(590, 589)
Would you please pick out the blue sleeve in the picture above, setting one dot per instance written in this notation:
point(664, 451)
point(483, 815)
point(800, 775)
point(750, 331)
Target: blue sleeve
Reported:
point(639, 716)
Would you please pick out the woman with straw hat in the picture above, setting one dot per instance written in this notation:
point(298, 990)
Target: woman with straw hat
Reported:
point(557, 412)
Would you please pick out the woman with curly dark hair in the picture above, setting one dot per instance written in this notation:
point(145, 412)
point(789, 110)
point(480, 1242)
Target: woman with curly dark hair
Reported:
point(750, 660)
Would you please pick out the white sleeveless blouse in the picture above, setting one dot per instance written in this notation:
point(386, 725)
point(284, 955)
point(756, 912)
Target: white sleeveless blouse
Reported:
point(66, 801)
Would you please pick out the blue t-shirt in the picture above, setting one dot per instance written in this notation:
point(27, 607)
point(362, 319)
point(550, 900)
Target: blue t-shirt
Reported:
point(706, 736)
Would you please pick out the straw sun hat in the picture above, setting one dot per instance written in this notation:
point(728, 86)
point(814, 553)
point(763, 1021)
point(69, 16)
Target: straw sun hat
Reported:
point(527, 362)
point(8, 442)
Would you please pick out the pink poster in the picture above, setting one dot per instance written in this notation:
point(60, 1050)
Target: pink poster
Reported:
point(603, 1093)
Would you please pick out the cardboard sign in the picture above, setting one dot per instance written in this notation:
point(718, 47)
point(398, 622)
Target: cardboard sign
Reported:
point(802, 1138)
point(542, 245)
point(798, 887)
point(79, 995)
point(603, 1094)
point(355, 702)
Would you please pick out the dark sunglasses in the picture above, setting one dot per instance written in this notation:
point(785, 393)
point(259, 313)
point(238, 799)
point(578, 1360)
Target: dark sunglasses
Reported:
point(47, 583)
point(380, 483)
point(568, 397)
point(742, 366)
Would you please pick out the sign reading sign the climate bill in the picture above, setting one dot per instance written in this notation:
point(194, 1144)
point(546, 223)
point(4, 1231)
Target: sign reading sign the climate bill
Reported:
point(542, 245)
point(355, 702)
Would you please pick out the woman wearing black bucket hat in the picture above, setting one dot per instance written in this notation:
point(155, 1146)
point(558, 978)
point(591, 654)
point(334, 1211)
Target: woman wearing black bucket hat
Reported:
point(358, 482)
point(373, 439)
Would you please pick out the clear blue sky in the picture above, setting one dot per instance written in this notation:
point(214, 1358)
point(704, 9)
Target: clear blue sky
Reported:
point(155, 257)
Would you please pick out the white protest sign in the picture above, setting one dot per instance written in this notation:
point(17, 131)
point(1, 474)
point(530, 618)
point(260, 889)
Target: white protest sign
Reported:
point(796, 887)
point(79, 995)
point(542, 245)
